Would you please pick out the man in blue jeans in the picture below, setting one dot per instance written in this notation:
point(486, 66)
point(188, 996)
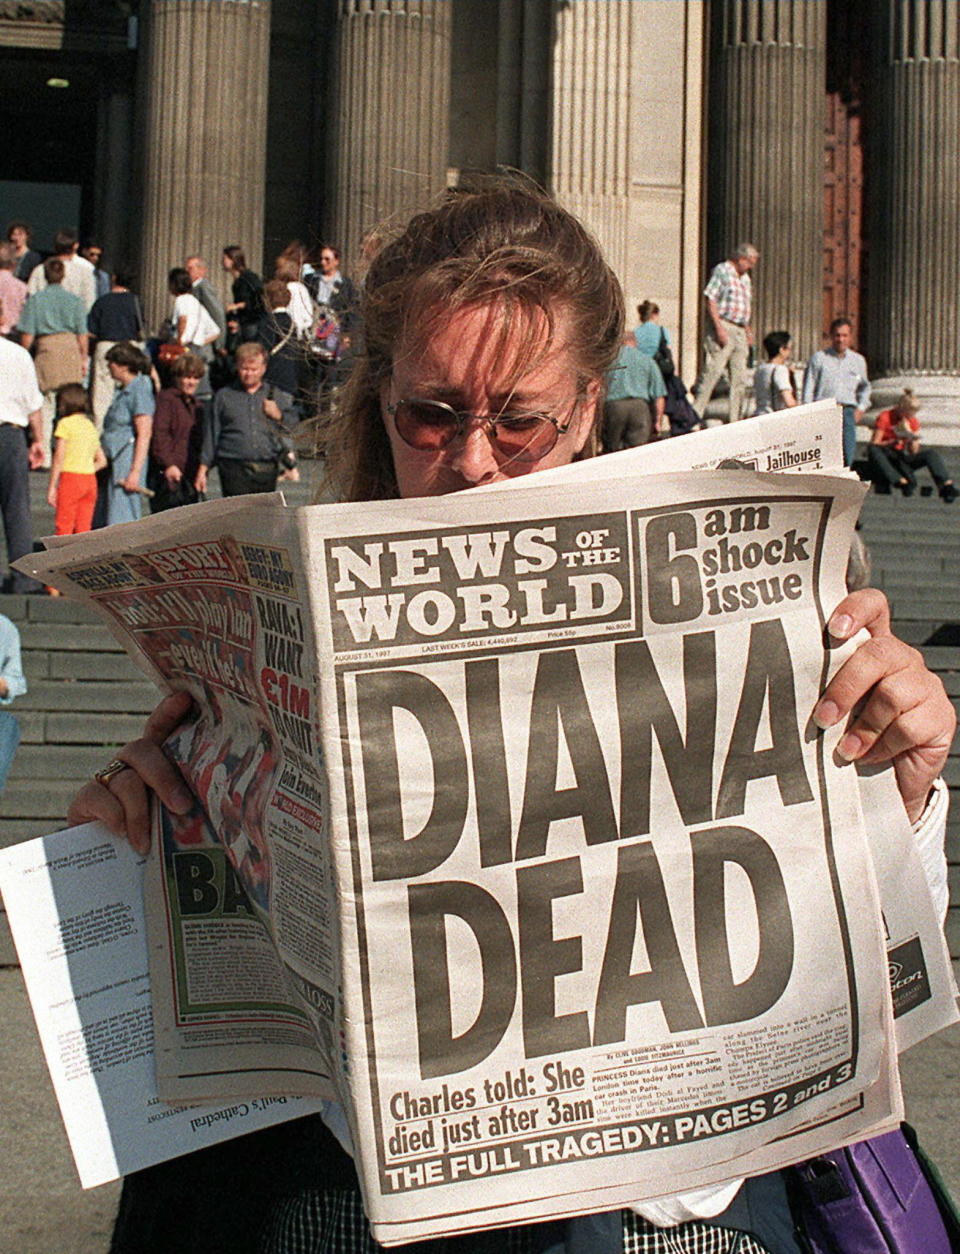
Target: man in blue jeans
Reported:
point(12, 684)
point(838, 373)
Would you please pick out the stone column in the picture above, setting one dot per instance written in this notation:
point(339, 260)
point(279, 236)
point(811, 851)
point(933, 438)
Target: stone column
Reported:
point(591, 132)
point(391, 107)
point(912, 319)
point(626, 106)
point(766, 155)
point(113, 198)
point(205, 65)
point(525, 37)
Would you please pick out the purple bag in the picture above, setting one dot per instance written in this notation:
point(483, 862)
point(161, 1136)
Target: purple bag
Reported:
point(869, 1198)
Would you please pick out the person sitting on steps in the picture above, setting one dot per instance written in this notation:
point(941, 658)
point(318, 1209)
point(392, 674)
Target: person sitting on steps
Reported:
point(894, 452)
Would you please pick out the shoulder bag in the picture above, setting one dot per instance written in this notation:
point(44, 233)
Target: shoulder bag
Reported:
point(663, 357)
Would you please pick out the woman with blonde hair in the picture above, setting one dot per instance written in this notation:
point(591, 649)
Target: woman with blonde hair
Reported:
point(895, 453)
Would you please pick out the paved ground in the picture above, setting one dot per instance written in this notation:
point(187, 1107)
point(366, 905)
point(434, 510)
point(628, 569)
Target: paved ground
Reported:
point(43, 1210)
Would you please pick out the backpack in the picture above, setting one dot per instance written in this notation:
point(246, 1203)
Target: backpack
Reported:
point(873, 1198)
point(683, 417)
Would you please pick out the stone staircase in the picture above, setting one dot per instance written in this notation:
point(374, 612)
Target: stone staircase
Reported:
point(915, 547)
point(85, 697)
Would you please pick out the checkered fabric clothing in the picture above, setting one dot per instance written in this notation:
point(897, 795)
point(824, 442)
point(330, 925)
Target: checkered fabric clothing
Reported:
point(732, 293)
point(320, 1221)
point(641, 1237)
point(331, 1221)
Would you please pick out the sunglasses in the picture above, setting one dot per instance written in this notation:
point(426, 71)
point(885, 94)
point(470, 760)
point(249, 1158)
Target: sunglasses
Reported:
point(430, 426)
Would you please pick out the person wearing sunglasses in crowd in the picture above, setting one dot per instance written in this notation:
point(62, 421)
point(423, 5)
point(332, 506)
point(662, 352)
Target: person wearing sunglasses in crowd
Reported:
point(490, 323)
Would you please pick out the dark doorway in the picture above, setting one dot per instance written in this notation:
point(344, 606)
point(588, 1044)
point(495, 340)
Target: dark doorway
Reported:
point(50, 133)
point(844, 240)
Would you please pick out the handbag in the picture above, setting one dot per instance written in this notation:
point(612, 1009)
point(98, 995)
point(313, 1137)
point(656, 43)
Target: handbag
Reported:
point(663, 357)
point(167, 354)
point(874, 1197)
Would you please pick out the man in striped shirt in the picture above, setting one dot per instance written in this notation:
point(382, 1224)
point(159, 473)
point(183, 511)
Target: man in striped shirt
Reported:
point(726, 347)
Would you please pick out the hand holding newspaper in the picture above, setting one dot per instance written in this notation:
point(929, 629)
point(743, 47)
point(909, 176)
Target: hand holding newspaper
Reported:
point(515, 837)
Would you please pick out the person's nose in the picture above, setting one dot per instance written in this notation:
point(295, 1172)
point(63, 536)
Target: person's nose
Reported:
point(473, 455)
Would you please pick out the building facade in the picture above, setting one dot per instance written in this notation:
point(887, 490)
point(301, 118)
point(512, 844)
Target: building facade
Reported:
point(825, 131)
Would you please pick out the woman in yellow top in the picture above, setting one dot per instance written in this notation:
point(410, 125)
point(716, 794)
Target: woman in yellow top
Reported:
point(77, 456)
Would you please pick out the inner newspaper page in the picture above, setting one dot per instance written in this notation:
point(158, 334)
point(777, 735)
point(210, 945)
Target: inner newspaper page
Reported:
point(239, 893)
point(596, 857)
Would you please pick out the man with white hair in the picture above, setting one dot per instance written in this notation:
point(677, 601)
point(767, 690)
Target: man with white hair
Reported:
point(729, 298)
point(203, 289)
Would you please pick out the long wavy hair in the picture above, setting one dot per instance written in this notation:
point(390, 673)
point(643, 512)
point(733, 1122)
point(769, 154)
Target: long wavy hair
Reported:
point(497, 242)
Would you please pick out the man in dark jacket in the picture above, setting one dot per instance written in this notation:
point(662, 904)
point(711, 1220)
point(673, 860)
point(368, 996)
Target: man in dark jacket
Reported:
point(114, 318)
point(245, 431)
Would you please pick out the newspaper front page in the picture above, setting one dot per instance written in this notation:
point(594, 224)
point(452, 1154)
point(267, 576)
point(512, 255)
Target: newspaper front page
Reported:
point(515, 833)
point(517, 692)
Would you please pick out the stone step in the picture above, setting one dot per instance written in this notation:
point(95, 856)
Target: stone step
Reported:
point(67, 637)
point(123, 697)
point(925, 585)
point(12, 831)
point(938, 535)
point(39, 727)
point(906, 555)
point(921, 558)
point(940, 538)
point(59, 761)
point(890, 535)
point(81, 729)
point(932, 632)
point(37, 798)
point(891, 531)
point(43, 609)
point(903, 604)
point(81, 665)
point(911, 572)
point(953, 845)
point(942, 658)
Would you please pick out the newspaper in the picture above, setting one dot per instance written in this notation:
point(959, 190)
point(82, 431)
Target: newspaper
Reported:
point(516, 837)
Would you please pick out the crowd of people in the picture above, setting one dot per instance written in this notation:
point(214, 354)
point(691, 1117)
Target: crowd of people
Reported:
point(644, 403)
point(123, 418)
point(155, 399)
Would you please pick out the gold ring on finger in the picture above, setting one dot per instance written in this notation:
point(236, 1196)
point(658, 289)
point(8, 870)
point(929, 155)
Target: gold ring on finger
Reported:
point(112, 769)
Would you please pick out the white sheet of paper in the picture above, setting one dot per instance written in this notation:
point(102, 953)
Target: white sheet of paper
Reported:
point(75, 906)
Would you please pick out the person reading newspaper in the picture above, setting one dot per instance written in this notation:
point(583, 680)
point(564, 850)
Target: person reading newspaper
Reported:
point(490, 322)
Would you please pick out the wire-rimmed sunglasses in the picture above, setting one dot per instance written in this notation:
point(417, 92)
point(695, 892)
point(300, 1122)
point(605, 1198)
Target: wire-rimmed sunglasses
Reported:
point(430, 426)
